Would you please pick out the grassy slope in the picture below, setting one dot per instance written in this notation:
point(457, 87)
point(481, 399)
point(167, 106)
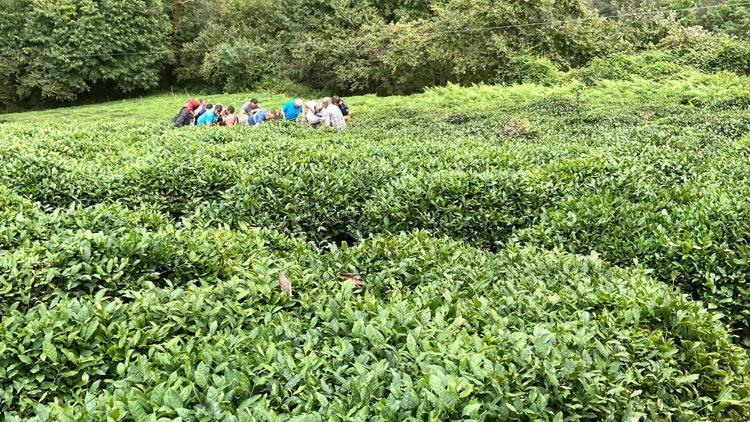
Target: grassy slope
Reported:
point(686, 87)
point(158, 108)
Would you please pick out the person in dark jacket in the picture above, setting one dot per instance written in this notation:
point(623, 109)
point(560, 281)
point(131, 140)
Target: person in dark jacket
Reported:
point(339, 102)
point(186, 114)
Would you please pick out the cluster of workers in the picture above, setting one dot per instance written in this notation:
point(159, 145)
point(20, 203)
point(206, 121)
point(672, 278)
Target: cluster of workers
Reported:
point(330, 112)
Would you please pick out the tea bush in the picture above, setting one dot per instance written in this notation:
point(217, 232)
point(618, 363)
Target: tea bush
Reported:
point(80, 251)
point(139, 264)
point(697, 238)
point(709, 52)
point(439, 331)
point(652, 65)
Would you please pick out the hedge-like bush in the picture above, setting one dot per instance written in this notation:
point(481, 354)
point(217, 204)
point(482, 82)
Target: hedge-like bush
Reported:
point(439, 330)
point(696, 237)
point(440, 162)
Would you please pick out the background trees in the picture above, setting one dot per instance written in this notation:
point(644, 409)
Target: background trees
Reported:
point(57, 50)
point(61, 50)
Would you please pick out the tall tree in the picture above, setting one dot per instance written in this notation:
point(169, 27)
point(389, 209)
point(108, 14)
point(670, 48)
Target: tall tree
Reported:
point(60, 49)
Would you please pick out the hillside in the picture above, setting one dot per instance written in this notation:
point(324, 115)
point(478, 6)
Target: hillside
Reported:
point(579, 250)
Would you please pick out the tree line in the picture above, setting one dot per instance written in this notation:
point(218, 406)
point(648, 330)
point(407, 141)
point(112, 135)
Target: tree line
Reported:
point(66, 50)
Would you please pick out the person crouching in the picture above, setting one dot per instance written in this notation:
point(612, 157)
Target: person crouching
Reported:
point(313, 115)
point(332, 114)
point(187, 114)
point(211, 116)
point(260, 117)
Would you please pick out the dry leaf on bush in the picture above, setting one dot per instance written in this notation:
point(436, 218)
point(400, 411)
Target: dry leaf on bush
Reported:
point(285, 284)
point(357, 279)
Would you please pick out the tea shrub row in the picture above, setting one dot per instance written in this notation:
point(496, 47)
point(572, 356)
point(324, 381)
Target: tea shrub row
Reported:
point(81, 251)
point(440, 330)
point(485, 191)
point(139, 265)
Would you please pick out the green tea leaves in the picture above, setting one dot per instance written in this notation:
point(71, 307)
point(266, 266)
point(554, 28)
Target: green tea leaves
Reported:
point(426, 270)
point(201, 374)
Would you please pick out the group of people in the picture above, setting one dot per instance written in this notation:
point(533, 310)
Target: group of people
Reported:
point(330, 112)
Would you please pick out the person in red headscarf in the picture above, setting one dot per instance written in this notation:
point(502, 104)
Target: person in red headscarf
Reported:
point(186, 115)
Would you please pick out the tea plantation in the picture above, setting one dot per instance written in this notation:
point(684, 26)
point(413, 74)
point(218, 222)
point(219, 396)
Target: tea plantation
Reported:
point(579, 251)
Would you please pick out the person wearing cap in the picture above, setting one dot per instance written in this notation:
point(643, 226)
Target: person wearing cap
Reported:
point(292, 109)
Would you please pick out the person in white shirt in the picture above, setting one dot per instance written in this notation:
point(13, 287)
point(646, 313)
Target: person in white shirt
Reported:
point(313, 114)
point(332, 113)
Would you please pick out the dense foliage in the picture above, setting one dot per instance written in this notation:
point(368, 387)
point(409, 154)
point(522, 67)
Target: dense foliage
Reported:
point(401, 48)
point(376, 47)
point(573, 251)
point(732, 17)
point(441, 330)
point(62, 50)
point(56, 50)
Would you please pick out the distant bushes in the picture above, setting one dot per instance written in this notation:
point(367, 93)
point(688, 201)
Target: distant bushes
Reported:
point(680, 51)
point(58, 50)
point(530, 69)
point(369, 46)
point(653, 65)
point(708, 52)
point(371, 49)
point(240, 64)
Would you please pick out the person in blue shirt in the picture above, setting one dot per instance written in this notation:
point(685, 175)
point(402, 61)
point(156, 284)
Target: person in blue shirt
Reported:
point(260, 117)
point(211, 115)
point(292, 109)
